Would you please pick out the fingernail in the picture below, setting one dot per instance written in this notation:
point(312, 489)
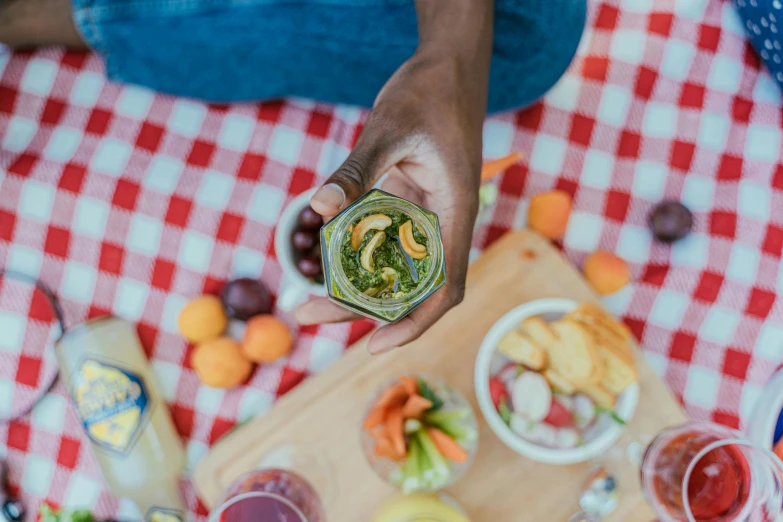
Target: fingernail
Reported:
point(383, 350)
point(330, 195)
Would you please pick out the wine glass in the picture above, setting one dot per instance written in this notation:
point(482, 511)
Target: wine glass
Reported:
point(704, 472)
point(290, 484)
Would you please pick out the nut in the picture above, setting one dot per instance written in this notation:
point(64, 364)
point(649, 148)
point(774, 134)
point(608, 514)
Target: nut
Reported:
point(409, 244)
point(372, 222)
point(367, 261)
point(373, 291)
point(389, 276)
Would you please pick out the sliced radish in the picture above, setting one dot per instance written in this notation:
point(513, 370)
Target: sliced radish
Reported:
point(568, 438)
point(531, 396)
point(584, 411)
point(537, 433)
point(559, 416)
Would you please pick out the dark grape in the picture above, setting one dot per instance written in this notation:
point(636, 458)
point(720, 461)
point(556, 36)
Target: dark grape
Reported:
point(670, 221)
point(245, 297)
point(315, 253)
point(303, 240)
point(309, 267)
point(309, 218)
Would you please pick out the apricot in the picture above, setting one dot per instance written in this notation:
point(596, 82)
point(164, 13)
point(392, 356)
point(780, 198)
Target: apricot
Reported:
point(220, 363)
point(606, 272)
point(266, 339)
point(202, 319)
point(548, 213)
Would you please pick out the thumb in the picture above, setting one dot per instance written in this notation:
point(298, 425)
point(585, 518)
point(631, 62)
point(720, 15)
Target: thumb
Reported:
point(367, 162)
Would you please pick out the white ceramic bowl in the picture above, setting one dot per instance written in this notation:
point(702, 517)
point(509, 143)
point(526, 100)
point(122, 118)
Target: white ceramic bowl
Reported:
point(296, 287)
point(597, 440)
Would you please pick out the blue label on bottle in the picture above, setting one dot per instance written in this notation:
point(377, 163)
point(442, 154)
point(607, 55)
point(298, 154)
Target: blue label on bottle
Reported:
point(113, 404)
point(158, 514)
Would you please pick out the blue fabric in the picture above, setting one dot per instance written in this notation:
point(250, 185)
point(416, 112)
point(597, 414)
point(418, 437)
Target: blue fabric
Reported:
point(338, 51)
point(764, 24)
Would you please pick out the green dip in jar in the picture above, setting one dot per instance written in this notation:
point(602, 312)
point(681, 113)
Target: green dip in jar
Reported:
point(384, 256)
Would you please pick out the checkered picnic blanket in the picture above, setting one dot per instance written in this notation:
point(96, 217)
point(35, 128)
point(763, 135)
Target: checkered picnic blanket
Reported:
point(128, 202)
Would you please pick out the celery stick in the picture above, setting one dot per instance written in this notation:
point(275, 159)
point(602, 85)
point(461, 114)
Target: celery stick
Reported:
point(412, 463)
point(436, 417)
point(455, 429)
point(438, 462)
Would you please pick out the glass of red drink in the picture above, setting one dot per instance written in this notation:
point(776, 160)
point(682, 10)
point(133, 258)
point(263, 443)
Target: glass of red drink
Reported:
point(291, 484)
point(704, 472)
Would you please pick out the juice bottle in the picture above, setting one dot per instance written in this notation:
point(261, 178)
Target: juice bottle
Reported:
point(127, 422)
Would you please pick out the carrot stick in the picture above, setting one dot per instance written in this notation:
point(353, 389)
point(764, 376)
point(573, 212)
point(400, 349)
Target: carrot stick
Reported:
point(391, 395)
point(374, 418)
point(415, 406)
point(494, 167)
point(447, 446)
point(394, 425)
point(384, 448)
point(411, 386)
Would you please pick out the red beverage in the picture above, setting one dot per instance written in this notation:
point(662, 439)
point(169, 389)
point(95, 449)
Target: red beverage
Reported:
point(261, 509)
point(271, 495)
point(719, 484)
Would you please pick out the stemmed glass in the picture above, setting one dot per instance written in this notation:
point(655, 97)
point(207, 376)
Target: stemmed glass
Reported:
point(290, 484)
point(705, 472)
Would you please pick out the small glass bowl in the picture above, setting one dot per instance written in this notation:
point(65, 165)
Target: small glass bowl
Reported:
point(343, 292)
point(389, 470)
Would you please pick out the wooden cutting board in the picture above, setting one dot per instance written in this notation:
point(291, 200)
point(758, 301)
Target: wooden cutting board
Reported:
point(501, 486)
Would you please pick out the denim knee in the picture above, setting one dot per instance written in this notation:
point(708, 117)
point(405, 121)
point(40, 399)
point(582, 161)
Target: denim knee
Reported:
point(535, 43)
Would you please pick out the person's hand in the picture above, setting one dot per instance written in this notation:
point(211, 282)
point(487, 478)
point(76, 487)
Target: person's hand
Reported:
point(426, 132)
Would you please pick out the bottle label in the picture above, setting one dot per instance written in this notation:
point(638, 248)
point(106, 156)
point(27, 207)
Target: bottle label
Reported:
point(158, 514)
point(113, 404)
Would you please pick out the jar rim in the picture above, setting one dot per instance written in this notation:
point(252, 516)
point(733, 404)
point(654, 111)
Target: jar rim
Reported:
point(381, 202)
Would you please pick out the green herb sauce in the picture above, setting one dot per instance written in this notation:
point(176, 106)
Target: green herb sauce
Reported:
point(388, 254)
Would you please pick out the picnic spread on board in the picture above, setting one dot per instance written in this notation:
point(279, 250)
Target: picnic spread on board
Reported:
point(653, 165)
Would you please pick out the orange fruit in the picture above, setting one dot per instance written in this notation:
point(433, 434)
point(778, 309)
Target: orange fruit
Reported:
point(606, 272)
point(202, 319)
point(548, 213)
point(267, 338)
point(220, 363)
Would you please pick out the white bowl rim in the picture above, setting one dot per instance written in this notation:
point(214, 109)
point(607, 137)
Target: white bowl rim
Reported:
point(626, 405)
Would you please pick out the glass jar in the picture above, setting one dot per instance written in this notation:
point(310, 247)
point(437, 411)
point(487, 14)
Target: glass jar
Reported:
point(336, 234)
point(462, 419)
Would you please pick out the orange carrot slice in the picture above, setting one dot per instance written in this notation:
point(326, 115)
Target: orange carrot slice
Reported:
point(391, 395)
point(410, 384)
point(415, 406)
point(384, 448)
point(394, 425)
point(378, 432)
point(447, 446)
point(494, 167)
point(374, 418)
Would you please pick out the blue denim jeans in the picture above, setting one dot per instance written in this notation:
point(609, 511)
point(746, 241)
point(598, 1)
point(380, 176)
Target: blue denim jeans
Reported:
point(338, 51)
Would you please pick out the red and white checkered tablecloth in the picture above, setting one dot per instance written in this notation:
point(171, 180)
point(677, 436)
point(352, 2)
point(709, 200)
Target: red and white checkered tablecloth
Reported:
point(129, 202)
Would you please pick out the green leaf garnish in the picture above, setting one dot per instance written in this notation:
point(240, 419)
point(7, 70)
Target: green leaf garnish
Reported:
point(611, 413)
point(429, 394)
point(504, 411)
